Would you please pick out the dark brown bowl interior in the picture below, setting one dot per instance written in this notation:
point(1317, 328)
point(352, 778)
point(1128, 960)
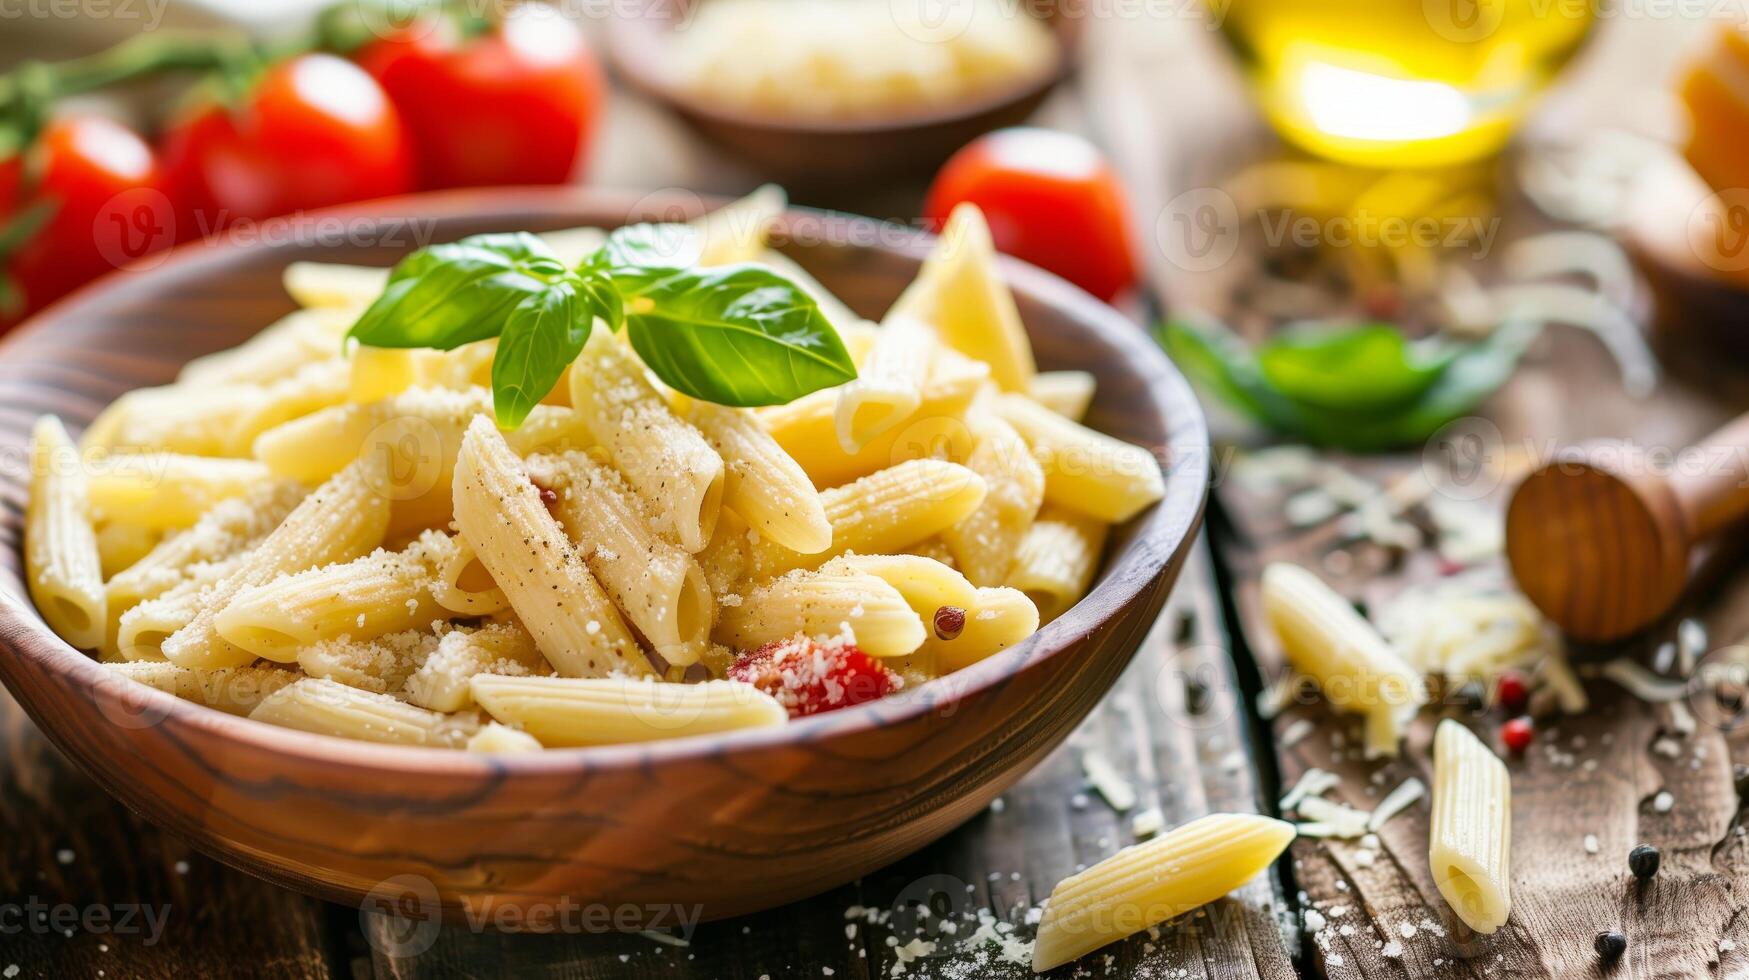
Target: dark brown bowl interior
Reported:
point(731, 824)
point(817, 155)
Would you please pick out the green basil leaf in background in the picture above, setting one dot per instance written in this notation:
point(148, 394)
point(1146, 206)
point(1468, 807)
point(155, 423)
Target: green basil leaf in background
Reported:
point(543, 334)
point(653, 246)
point(1369, 366)
point(735, 335)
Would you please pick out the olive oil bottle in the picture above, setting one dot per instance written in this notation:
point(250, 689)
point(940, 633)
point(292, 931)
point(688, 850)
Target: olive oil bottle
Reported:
point(1401, 83)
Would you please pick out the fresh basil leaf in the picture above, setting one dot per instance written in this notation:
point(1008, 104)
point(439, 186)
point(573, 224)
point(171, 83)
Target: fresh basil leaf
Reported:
point(542, 335)
point(653, 246)
point(448, 295)
point(1369, 366)
point(736, 335)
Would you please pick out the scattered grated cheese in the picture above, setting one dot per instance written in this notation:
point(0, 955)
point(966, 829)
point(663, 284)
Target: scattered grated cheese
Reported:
point(1295, 733)
point(1407, 794)
point(1591, 845)
point(1663, 802)
point(666, 939)
point(1314, 782)
point(1342, 820)
point(1642, 683)
point(1148, 823)
point(1107, 781)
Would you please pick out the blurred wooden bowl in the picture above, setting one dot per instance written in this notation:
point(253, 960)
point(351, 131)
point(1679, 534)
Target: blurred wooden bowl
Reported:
point(815, 154)
point(727, 825)
point(1693, 247)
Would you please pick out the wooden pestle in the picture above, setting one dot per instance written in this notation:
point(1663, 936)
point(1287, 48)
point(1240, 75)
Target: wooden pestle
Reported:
point(1602, 542)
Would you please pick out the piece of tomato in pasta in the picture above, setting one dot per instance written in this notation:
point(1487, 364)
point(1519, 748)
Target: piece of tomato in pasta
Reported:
point(809, 676)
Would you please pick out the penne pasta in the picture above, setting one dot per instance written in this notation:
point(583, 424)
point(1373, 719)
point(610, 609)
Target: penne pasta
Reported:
point(665, 461)
point(889, 385)
point(121, 546)
point(167, 490)
point(379, 663)
point(985, 542)
point(279, 350)
point(884, 513)
point(564, 711)
point(1470, 840)
point(340, 520)
point(463, 586)
point(822, 605)
point(1146, 884)
point(927, 585)
point(655, 584)
point(995, 620)
point(233, 690)
point(1068, 393)
point(331, 286)
point(548, 583)
point(1326, 639)
point(1055, 562)
point(502, 740)
point(314, 704)
point(61, 559)
point(1085, 470)
point(761, 482)
point(736, 231)
point(441, 682)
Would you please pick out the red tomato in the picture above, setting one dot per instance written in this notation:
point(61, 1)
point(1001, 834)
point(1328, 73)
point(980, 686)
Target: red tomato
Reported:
point(1050, 198)
point(517, 106)
point(102, 182)
point(11, 183)
point(314, 131)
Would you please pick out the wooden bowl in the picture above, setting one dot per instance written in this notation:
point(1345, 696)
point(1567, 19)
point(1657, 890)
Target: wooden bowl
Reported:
point(722, 825)
point(821, 156)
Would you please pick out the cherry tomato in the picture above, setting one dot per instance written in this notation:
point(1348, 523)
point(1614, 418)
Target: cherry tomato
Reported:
point(11, 182)
point(101, 185)
point(516, 106)
point(1051, 199)
point(314, 131)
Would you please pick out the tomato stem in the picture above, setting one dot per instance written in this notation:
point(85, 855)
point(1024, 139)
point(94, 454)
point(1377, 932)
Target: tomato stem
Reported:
point(145, 55)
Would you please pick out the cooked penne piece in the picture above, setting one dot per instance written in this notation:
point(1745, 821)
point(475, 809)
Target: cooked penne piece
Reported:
point(961, 294)
point(728, 559)
point(884, 513)
point(807, 427)
point(441, 683)
point(1146, 884)
point(61, 560)
point(384, 372)
point(142, 629)
point(822, 605)
point(233, 690)
point(761, 482)
point(1056, 560)
point(167, 490)
point(985, 542)
point(937, 549)
point(340, 520)
point(300, 338)
point(565, 711)
point(1470, 841)
point(1068, 393)
point(464, 586)
point(1085, 470)
point(313, 388)
point(889, 386)
point(655, 584)
point(736, 231)
point(326, 707)
point(927, 585)
point(502, 740)
point(996, 620)
point(420, 428)
point(380, 593)
point(121, 546)
point(380, 663)
point(666, 461)
point(330, 285)
point(1326, 639)
point(528, 554)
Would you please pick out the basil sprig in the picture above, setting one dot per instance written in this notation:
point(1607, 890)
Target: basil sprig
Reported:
point(735, 335)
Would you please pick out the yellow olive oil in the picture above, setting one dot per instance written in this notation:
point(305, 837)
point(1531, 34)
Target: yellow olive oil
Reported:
point(1401, 83)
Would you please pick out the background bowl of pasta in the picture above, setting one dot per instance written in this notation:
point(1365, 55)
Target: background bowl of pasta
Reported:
point(732, 821)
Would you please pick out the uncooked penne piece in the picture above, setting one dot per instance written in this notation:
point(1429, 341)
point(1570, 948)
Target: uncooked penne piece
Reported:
point(884, 513)
point(1146, 884)
point(566, 711)
point(441, 683)
point(380, 593)
point(1470, 841)
point(464, 586)
point(654, 583)
point(340, 520)
point(985, 542)
point(1085, 470)
point(667, 462)
point(1055, 562)
point(822, 605)
point(167, 490)
point(315, 704)
point(1326, 639)
point(889, 387)
point(760, 480)
point(997, 619)
point(528, 554)
point(961, 294)
point(233, 690)
point(1068, 393)
point(62, 564)
point(502, 740)
point(379, 663)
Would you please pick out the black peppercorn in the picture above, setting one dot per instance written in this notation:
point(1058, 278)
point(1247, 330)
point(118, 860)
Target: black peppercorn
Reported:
point(1473, 696)
point(1610, 945)
point(1740, 775)
point(1643, 861)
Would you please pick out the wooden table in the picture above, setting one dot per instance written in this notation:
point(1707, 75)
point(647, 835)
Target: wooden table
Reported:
point(120, 899)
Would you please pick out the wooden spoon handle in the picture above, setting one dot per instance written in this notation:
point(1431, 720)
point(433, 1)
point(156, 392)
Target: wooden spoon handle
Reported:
point(1713, 487)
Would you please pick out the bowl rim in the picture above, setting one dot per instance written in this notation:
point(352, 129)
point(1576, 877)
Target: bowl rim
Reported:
point(1161, 534)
